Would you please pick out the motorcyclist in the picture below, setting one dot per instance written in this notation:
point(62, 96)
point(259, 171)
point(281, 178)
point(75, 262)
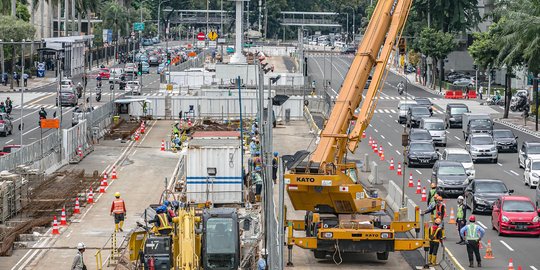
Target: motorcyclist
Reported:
point(2, 107)
point(42, 113)
point(98, 78)
point(401, 87)
point(9, 105)
point(497, 96)
point(79, 90)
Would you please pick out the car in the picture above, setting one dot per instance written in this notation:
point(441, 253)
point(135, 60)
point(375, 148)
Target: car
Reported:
point(466, 81)
point(67, 98)
point(79, 115)
point(482, 147)
point(6, 126)
point(419, 135)
point(515, 215)
point(480, 194)
point(104, 73)
point(422, 101)
point(506, 140)
point(130, 68)
point(462, 156)
point(435, 127)
point(528, 150)
point(538, 196)
point(147, 42)
point(143, 58)
point(10, 148)
point(453, 116)
point(66, 84)
point(145, 67)
point(153, 60)
point(451, 178)
point(403, 108)
point(420, 154)
point(133, 87)
point(531, 175)
point(415, 114)
point(161, 68)
point(116, 75)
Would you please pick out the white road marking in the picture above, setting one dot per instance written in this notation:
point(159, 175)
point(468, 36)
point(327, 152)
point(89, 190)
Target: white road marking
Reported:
point(419, 172)
point(382, 136)
point(515, 173)
point(375, 130)
point(398, 152)
point(457, 138)
point(499, 164)
point(481, 224)
point(389, 143)
point(8, 142)
point(390, 115)
point(506, 245)
point(533, 268)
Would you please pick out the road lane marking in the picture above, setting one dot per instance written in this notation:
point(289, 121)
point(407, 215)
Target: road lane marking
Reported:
point(418, 171)
point(382, 136)
point(398, 152)
point(40, 99)
point(533, 268)
point(481, 224)
point(457, 138)
point(506, 245)
point(8, 142)
point(375, 130)
point(515, 173)
point(499, 164)
point(389, 143)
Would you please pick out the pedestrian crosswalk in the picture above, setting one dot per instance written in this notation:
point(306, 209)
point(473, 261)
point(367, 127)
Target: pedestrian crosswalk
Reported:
point(380, 98)
point(395, 111)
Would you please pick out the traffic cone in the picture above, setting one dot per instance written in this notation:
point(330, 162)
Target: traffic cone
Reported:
point(480, 245)
point(511, 264)
point(370, 141)
point(63, 221)
point(452, 216)
point(489, 251)
point(137, 135)
point(363, 135)
point(375, 150)
point(411, 182)
point(113, 174)
point(382, 156)
point(424, 196)
point(142, 128)
point(90, 199)
point(381, 150)
point(189, 122)
point(79, 151)
point(399, 168)
point(391, 164)
point(418, 187)
point(55, 229)
point(104, 181)
point(102, 187)
point(77, 209)
point(162, 145)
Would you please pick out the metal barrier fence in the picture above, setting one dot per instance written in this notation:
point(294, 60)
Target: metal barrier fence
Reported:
point(31, 152)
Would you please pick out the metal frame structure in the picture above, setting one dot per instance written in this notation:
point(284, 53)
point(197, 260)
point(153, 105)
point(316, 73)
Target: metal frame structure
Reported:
point(317, 19)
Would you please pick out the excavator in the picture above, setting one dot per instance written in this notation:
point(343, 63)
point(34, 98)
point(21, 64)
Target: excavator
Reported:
point(342, 216)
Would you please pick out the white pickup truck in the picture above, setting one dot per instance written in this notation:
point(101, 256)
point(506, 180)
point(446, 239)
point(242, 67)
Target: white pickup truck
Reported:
point(133, 87)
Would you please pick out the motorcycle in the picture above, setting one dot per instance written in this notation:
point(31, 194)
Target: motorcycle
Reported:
point(494, 101)
point(518, 104)
point(98, 95)
point(400, 89)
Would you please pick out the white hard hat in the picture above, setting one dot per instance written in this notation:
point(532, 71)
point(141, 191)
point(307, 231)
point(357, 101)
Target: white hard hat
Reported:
point(460, 198)
point(263, 251)
point(81, 246)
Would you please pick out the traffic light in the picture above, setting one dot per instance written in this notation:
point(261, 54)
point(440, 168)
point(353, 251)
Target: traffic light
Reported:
point(139, 69)
point(402, 45)
point(168, 58)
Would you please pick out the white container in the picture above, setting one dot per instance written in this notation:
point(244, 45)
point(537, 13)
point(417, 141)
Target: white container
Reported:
point(214, 169)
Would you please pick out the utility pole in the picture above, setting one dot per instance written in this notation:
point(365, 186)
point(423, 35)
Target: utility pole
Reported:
point(535, 89)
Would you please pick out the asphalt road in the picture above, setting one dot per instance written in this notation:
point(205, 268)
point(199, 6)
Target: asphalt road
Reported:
point(386, 130)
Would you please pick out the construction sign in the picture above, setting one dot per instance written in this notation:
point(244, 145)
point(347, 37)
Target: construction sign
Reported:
point(212, 35)
point(50, 123)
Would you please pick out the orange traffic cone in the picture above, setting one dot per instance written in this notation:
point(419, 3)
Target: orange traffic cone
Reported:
point(113, 174)
point(77, 209)
point(452, 216)
point(489, 251)
point(104, 181)
point(189, 122)
point(102, 187)
point(375, 149)
point(79, 151)
point(411, 183)
point(424, 197)
point(399, 168)
point(142, 128)
point(363, 135)
point(381, 156)
point(418, 187)
point(63, 221)
point(162, 145)
point(380, 150)
point(511, 264)
point(391, 164)
point(55, 229)
point(479, 244)
point(90, 199)
point(370, 141)
point(137, 135)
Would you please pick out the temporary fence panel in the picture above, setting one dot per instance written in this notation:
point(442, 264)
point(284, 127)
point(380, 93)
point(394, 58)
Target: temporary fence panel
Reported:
point(75, 139)
point(214, 171)
point(273, 50)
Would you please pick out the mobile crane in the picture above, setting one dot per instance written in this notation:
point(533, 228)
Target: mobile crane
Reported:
point(341, 215)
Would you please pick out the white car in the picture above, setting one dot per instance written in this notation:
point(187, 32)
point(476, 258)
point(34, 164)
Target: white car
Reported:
point(531, 175)
point(66, 84)
point(462, 156)
point(133, 87)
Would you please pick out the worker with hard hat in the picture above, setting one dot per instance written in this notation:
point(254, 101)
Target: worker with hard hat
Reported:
point(436, 236)
point(78, 261)
point(176, 128)
point(275, 162)
point(473, 234)
point(261, 263)
point(162, 221)
point(461, 217)
point(257, 180)
point(432, 193)
point(118, 208)
point(437, 209)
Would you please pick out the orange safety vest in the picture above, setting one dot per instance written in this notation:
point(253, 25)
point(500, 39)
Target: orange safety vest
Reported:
point(439, 211)
point(118, 206)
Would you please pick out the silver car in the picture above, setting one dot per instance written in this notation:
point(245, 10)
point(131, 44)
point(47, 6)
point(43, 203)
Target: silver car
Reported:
point(6, 127)
point(67, 98)
point(403, 107)
point(436, 128)
point(482, 147)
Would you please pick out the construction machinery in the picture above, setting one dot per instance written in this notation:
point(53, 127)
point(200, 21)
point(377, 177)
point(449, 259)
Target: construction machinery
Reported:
point(200, 239)
point(341, 215)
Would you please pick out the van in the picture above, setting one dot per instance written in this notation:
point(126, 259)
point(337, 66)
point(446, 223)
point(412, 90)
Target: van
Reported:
point(436, 128)
point(476, 123)
point(453, 116)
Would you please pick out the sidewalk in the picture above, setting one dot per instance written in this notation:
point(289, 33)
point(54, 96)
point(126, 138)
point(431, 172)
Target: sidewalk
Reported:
point(141, 179)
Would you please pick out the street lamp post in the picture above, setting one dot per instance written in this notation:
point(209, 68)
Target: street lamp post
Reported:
point(158, 15)
point(353, 24)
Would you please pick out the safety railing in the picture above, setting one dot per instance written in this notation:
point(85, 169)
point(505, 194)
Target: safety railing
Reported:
point(449, 262)
point(112, 258)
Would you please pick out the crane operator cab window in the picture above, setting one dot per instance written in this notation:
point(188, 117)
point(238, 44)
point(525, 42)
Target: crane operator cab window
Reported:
point(220, 244)
point(353, 174)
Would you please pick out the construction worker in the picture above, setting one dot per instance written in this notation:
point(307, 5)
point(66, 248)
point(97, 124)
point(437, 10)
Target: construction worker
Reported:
point(170, 209)
point(436, 236)
point(258, 182)
point(78, 261)
point(473, 235)
point(432, 193)
point(176, 128)
point(436, 209)
point(461, 218)
point(118, 208)
point(275, 162)
point(162, 221)
point(261, 263)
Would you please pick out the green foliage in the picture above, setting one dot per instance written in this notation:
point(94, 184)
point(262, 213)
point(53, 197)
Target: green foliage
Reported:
point(414, 58)
point(435, 43)
point(484, 50)
point(22, 12)
point(447, 15)
point(15, 29)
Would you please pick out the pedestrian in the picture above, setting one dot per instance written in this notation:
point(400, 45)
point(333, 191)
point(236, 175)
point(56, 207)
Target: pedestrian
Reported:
point(461, 217)
point(2, 107)
point(118, 208)
point(257, 180)
point(481, 92)
point(436, 236)
point(432, 193)
point(25, 79)
point(275, 162)
point(473, 235)
point(85, 79)
point(78, 261)
point(4, 78)
point(261, 263)
point(436, 209)
point(253, 146)
point(466, 92)
point(16, 78)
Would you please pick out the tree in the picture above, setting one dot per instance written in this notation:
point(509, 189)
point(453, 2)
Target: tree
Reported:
point(15, 29)
point(436, 44)
point(22, 12)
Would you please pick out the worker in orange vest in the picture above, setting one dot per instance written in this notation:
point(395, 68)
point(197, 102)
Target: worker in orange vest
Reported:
point(436, 236)
point(118, 208)
point(437, 209)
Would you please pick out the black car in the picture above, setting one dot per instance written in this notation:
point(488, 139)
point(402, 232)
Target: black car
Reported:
point(415, 114)
point(422, 101)
point(419, 135)
point(421, 154)
point(506, 140)
point(482, 193)
point(454, 114)
point(451, 178)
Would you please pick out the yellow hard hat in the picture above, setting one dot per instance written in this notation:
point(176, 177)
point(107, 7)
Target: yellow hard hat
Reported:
point(117, 194)
point(437, 221)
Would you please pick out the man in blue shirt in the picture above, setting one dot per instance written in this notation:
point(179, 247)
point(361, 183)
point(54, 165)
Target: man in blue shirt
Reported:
point(261, 264)
point(473, 234)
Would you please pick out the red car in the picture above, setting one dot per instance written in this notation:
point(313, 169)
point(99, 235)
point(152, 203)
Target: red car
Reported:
point(515, 215)
point(9, 149)
point(105, 73)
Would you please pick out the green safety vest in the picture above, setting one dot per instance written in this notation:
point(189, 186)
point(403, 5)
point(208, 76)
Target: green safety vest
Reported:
point(432, 193)
point(472, 233)
point(460, 212)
